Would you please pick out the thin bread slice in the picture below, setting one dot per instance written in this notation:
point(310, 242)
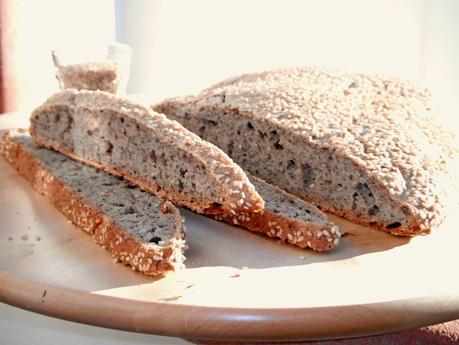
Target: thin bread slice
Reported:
point(291, 219)
point(360, 146)
point(137, 228)
point(157, 154)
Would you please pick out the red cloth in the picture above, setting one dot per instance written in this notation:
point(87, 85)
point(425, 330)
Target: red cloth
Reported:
point(12, 83)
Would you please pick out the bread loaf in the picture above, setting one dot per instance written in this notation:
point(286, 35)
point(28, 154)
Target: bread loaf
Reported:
point(137, 228)
point(360, 146)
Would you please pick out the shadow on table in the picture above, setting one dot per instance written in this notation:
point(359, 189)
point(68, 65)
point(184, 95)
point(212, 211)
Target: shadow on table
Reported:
point(214, 243)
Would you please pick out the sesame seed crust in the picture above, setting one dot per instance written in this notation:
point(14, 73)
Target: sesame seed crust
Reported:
point(382, 126)
point(222, 174)
point(148, 258)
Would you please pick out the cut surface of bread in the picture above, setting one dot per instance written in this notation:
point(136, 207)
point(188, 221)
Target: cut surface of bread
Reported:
point(137, 228)
point(151, 151)
point(360, 146)
point(291, 219)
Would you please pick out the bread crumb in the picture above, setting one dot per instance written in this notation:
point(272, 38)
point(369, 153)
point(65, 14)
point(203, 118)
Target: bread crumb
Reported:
point(10, 238)
point(37, 238)
point(170, 299)
point(25, 237)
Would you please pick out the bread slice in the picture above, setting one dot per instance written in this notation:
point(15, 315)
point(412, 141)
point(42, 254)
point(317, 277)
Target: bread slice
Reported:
point(356, 145)
point(151, 151)
point(137, 228)
point(291, 219)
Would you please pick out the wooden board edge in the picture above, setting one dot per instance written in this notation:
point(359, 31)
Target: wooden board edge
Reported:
point(202, 322)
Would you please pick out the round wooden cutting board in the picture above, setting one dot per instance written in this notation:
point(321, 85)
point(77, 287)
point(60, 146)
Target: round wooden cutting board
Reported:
point(237, 285)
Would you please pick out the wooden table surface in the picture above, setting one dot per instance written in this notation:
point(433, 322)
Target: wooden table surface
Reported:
point(237, 285)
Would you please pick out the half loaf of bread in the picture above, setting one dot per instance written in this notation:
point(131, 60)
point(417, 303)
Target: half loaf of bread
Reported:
point(361, 146)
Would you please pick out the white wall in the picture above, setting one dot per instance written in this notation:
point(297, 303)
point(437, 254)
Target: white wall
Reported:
point(45, 25)
point(181, 47)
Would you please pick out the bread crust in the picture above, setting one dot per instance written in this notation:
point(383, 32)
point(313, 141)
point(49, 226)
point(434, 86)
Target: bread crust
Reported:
point(152, 260)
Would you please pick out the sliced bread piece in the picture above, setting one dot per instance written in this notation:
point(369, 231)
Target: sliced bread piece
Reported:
point(137, 228)
point(151, 151)
point(291, 219)
point(360, 146)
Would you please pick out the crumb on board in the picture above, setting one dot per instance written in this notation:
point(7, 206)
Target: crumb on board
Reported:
point(170, 299)
point(25, 237)
point(10, 238)
point(37, 238)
